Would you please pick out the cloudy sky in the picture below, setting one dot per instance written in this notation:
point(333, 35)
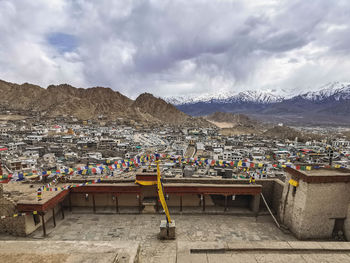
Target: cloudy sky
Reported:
point(176, 47)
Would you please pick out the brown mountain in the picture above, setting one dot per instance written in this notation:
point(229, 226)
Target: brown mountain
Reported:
point(58, 100)
point(236, 119)
point(234, 124)
point(285, 132)
point(163, 111)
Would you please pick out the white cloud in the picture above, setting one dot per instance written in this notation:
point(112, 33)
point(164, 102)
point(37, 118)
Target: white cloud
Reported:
point(176, 47)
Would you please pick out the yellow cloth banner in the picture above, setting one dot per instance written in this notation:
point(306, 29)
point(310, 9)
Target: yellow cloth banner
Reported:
point(293, 182)
point(161, 194)
point(145, 182)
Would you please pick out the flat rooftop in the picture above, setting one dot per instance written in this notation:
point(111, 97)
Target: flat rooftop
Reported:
point(328, 172)
point(27, 193)
point(320, 175)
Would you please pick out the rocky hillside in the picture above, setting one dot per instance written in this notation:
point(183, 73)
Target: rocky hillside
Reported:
point(284, 132)
point(159, 108)
point(91, 104)
point(164, 112)
point(230, 117)
point(234, 124)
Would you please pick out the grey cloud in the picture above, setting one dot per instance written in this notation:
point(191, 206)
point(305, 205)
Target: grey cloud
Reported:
point(137, 46)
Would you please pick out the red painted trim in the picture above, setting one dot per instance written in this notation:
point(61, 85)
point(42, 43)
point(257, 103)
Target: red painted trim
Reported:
point(146, 178)
point(227, 190)
point(107, 189)
point(23, 207)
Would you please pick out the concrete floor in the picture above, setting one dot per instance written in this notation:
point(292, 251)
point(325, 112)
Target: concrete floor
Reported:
point(144, 228)
point(192, 231)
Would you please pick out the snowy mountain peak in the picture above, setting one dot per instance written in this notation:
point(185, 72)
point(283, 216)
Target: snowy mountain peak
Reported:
point(258, 96)
point(336, 90)
point(253, 96)
point(205, 97)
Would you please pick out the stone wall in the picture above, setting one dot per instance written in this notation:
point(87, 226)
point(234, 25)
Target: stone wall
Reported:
point(347, 225)
point(102, 200)
point(12, 225)
point(272, 190)
point(21, 225)
point(325, 203)
point(277, 195)
point(292, 206)
point(311, 209)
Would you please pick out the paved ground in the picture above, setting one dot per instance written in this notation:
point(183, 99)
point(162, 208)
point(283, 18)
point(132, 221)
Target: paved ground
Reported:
point(263, 251)
point(222, 231)
point(46, 251)
point(145, 228)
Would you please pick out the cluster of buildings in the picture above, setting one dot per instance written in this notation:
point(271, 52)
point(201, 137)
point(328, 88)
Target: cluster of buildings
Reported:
point(289, 174)
point(58, 144)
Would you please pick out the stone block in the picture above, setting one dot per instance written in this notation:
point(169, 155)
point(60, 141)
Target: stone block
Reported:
point(167, 231)
point(163, 234)
point(171, 230)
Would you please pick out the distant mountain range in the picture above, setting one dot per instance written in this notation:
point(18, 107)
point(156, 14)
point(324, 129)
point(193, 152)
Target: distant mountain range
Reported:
point(329, 104)
point(228, 97)
point(92, 103)
point(338, 89)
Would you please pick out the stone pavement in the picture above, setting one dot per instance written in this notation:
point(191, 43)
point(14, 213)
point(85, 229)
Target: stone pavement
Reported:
point(68, 251)
point(225, 232)
point(263, 251)
point(144, 228)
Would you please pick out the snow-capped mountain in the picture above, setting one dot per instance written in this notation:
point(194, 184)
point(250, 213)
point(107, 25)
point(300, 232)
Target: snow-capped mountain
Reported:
point(334, 90)
point(330, 102)
point(253, 96)
point(205, 97)
point(249, 96)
